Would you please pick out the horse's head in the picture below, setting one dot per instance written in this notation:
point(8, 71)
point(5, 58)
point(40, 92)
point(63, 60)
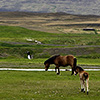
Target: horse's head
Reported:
point(76, 71)
point(49, 61)
point(46, 66)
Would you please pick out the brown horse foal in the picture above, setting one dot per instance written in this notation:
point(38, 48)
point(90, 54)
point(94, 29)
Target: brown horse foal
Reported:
point(84, 76)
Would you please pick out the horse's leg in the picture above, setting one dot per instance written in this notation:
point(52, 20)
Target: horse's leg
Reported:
point(87, 86)
point(82, 88)
point(73, 71)
point(57, 70)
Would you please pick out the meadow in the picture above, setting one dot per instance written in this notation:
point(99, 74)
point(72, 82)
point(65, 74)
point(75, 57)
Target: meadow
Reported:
point(18, 33)
point(17, 37)
point(39, 63)
point(14, 45)
point(15, 85)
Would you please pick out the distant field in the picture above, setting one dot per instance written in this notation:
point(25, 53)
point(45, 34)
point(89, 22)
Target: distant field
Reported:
point(19, 34)
point(39, 63)
point(57, 34)
point(14, 44)
point(51, 22)
point(15, 85)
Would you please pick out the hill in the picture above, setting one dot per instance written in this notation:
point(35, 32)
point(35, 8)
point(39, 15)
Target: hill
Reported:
point(86, 7)
point(16, 41)
point(51, 22)
point(15, 30)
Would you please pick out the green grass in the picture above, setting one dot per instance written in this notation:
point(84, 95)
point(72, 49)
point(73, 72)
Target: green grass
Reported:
point(84, 61)
point(39, 63)
point(15, 85)
point(13, 39)
point(19, 34)
point(22, 63)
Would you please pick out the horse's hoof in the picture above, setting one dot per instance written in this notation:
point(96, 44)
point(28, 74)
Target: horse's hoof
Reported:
point(58, 73)
point(87, 93)
point(66, 69)
point(46, 69)
point(82, 90)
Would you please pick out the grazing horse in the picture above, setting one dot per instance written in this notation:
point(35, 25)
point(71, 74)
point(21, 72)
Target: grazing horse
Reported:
point(84, 76)
point(59, 60)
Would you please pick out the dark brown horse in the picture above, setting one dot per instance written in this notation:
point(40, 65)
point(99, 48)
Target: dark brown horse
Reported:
point(59, 60)
point(84, 76)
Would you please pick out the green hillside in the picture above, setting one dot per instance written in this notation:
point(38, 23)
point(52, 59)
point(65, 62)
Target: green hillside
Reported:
point(19, 34)
point(16, 41)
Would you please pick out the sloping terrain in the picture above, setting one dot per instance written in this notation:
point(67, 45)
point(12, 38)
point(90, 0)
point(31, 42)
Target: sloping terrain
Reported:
point(51, 22)
point(14, 40)
point(87, 7)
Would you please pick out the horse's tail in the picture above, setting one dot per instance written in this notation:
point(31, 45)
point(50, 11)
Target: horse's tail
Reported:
point(85, 75)
point(75, 63)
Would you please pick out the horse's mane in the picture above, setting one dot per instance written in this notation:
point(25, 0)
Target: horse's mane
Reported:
point(51, 59)
point(80, 68)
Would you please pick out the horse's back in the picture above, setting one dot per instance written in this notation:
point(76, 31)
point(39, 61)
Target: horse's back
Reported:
point(51, 60)
point(70, 59)
point(65, 60)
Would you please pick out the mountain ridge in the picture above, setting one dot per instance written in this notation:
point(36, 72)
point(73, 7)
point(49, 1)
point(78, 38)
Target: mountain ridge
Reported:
point(50, 22)
point(83, 7)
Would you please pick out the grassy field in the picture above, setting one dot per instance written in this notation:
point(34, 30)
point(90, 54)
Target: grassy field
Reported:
point(15, 85)
point(19, 34)
point(95, 62)
point(39, 63)
point(14, 45)
point(61, 34)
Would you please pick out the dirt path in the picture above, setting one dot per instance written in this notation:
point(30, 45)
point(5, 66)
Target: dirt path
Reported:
point(74, 46)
